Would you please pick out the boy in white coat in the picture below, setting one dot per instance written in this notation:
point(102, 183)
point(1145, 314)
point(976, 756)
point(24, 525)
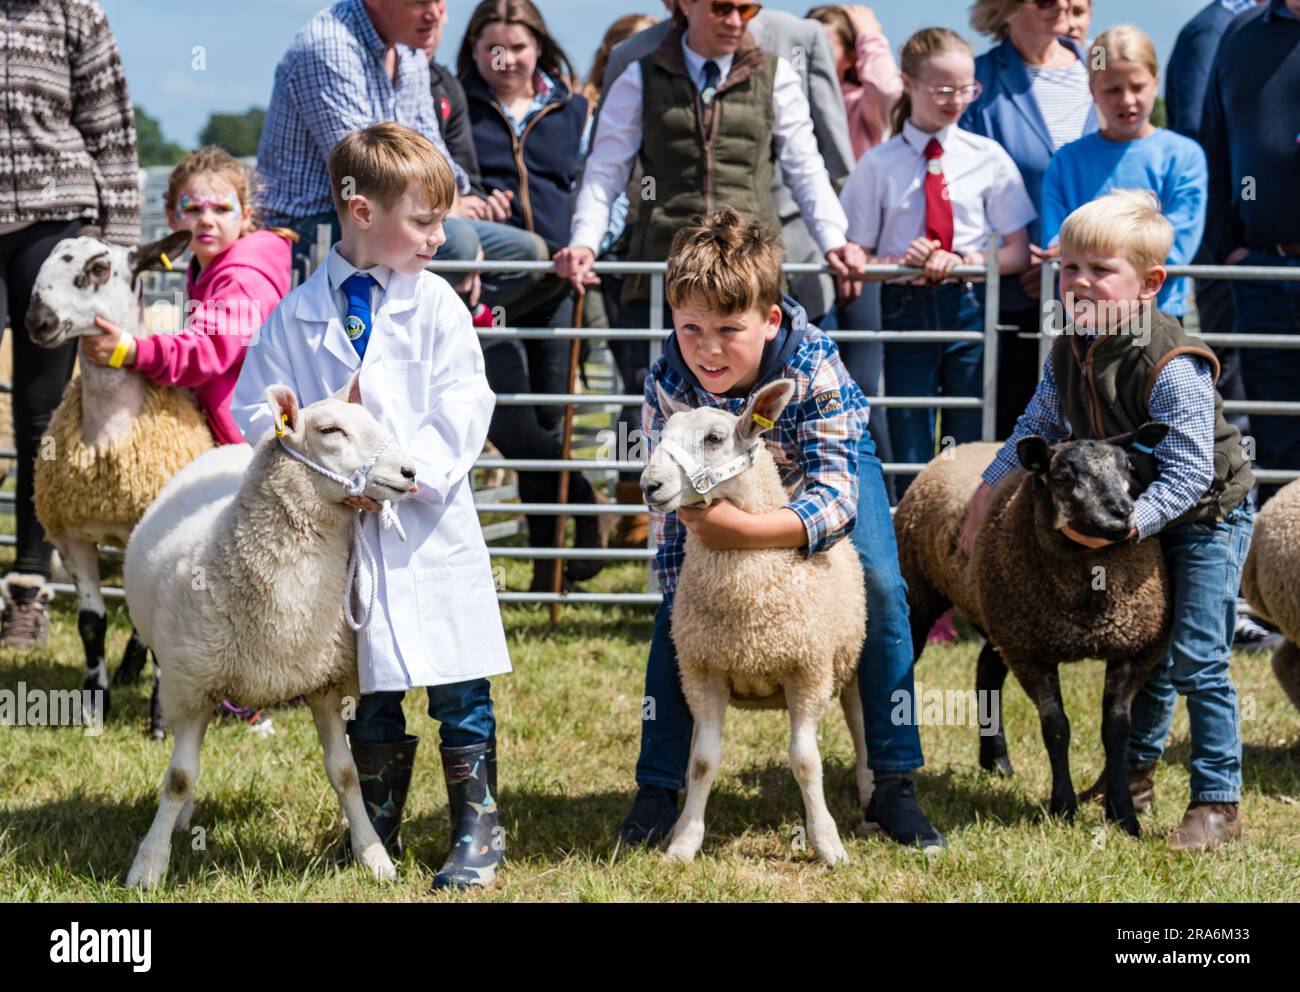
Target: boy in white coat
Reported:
point(435, 621)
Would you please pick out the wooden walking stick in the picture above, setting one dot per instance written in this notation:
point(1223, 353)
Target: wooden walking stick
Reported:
point(566, 450)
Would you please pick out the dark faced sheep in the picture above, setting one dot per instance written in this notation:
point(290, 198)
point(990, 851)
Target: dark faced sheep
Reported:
point(1039, 597)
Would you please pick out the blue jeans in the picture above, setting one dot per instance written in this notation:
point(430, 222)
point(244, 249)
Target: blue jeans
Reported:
point(955, 369)
point(463, 709)
point(865, 361)
point(1270, 373)
point(886, 664)
point(500, 242)
point(1204, 562)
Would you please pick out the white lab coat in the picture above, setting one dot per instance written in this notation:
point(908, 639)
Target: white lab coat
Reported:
point(436, 618)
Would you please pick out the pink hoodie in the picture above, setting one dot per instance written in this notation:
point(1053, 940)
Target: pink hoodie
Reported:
point(868, 106)
point(234, 296)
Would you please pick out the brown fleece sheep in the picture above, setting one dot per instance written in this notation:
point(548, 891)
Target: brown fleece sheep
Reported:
point(1270, 580)
point(1040, 598)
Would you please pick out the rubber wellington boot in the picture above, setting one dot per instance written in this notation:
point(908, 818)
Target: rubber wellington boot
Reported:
point(477, 841)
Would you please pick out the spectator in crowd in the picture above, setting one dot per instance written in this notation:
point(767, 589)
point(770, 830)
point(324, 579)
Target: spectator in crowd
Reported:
point(1251, 133)
point(527, 129)
point(1080, 20)
point(67, 143)
point(903, 208)
point(1186, 77)
point(1130, 152)
point(869, 79)
point(1036, 98)
point(357, 63)
point(871, 85)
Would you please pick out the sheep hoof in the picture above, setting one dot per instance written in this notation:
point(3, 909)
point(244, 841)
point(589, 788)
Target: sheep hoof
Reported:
point(834, 855)
point(999, 767)
point(1129, 824)
point(376, 860)
point(680, 854)
point(146, 873)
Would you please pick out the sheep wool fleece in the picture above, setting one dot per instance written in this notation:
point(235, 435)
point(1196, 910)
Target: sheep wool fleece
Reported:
point(116, 483)
point(1270, 579)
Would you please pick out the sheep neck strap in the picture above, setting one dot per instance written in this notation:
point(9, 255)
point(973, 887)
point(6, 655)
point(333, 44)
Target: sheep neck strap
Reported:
point(706, 478)
point(363, 570)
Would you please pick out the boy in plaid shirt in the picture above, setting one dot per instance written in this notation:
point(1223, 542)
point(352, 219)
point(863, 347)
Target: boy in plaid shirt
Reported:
point(735, 332)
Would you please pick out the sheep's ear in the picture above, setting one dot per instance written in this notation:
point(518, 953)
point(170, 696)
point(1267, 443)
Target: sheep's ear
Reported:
point(761, 413)
point(284, 407)
point(351, 391)
point(143, 258)
point(1034, 453)
point(1144, 439)
point(669, 405)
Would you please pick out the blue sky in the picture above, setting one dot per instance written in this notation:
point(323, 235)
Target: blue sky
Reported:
point(242, 40)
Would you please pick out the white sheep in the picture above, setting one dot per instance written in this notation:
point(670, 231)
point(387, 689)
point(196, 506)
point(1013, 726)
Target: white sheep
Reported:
point(1270, 580)
point(757, 628)
point(237, 578)
point(115, 438)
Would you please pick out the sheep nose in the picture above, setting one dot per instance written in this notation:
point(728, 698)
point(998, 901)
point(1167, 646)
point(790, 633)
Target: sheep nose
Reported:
point(41, 320)
point(649, 488)
point(1118, 506)
point(408, 474)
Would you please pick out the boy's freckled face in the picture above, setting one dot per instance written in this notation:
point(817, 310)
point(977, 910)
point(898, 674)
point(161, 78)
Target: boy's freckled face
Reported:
point(724, 350)
point(405, 236)
point(1102, 290)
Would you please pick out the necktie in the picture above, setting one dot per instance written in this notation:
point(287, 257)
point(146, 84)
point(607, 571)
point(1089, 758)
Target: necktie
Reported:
point(356, 288)
point(938, 207)
point(711, 76)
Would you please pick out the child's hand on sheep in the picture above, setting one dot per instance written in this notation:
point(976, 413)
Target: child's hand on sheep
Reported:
point(975, 518)
point(363, 503)
point(99, 348)
point(723, 526)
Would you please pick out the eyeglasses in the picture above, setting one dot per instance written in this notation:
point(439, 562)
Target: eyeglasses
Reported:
point(946, 94)
point(722, 10)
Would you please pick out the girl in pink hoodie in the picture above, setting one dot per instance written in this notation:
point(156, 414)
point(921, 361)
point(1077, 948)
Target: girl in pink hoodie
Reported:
point(236, 277)
point(869, 77)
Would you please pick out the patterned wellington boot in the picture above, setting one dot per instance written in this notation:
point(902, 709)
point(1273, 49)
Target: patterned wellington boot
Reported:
point(477, 843)
point(384, 772)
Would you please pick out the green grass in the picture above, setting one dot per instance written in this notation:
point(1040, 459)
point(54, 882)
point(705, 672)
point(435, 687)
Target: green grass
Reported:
point(74, 807)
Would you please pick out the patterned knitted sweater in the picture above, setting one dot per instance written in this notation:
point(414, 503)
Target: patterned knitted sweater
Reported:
point(67, 131)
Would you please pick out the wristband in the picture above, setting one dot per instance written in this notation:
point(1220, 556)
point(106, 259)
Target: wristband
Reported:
point(124, 343)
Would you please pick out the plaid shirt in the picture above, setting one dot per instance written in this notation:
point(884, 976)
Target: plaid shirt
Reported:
point(1182, 397)
point(332, 81)
point(814, 443)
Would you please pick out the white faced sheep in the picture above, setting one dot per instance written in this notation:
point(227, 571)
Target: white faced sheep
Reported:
point(1040, 598)
point(116, 437)
point(237, 578)
point(756, 628)
point(1270, 580)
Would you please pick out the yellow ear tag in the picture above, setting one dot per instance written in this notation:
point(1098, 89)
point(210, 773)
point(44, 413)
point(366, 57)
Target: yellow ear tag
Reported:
point(167, 262)
point(763, 422)
point(279, 425)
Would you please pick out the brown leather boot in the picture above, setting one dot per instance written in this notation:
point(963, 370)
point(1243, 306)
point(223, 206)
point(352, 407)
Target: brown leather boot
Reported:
point(1141, 785)
point(1205, 826)
point(633, 529)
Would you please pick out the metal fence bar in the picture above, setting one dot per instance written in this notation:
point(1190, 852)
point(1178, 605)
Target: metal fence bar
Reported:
point(631, 399)
point(992, 304)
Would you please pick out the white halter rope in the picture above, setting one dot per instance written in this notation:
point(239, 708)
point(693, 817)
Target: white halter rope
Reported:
point(354, 485)
point(706, 478)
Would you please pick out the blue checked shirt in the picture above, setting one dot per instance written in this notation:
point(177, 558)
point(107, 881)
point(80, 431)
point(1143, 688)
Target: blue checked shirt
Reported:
point(814, 444)
point(332, 81)
point(1182, 397)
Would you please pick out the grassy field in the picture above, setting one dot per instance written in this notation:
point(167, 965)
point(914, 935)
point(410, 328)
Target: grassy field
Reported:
point(74, 807)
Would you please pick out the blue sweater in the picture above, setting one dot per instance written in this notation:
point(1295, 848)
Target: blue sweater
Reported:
point(1251, 133)
point(1171, 166)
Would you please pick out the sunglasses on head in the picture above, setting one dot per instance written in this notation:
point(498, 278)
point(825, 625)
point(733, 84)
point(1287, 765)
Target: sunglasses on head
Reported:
point(722, 9)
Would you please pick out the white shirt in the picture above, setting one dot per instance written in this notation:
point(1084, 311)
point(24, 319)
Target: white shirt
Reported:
point(619, 136)
point(884, 197)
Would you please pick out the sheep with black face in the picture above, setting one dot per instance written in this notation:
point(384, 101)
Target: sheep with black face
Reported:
point(1039, 597)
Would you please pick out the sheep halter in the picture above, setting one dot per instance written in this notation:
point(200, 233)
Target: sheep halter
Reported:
point(362, 559)
point(706, 478)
